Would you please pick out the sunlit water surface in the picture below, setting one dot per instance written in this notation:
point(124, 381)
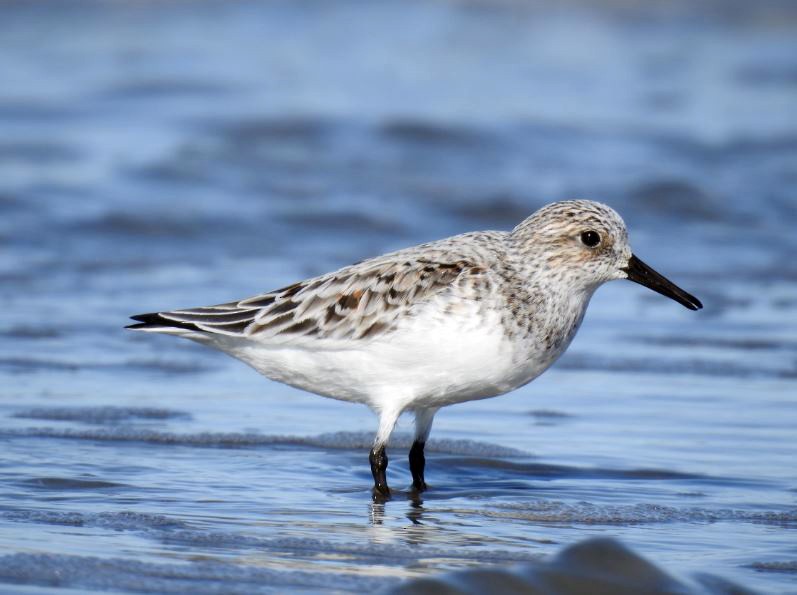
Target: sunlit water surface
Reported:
point(170, 154)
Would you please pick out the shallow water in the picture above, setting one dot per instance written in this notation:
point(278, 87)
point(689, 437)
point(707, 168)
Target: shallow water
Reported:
point(162, 155)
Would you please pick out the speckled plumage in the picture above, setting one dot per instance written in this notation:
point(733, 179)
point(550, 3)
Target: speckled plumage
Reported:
point(468, 317)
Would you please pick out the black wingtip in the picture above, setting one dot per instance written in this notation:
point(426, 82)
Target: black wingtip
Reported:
point(154, 319)
point(149, 318)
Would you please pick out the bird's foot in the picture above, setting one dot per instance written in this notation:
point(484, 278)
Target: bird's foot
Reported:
point(380, 493)
point(378, 459)
point(417, 465)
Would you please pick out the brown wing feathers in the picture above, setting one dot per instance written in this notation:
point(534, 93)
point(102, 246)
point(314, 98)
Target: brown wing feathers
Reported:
point(353, 303)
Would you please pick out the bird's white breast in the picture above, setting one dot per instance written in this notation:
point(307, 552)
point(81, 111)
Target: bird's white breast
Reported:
point(445, 353)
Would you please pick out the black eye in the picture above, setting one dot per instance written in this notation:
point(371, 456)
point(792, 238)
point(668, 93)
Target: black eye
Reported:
point(590, 238)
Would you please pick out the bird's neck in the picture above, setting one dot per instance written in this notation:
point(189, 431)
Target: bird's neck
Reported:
point(544, 307)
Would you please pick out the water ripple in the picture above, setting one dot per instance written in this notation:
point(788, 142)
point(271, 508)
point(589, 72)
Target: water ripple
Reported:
point(121, 520)
point(198, 577)
point(335, 440)
point(549, 511)
point(100, 415)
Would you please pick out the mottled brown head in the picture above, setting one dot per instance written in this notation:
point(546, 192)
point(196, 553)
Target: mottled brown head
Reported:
point(585, 243)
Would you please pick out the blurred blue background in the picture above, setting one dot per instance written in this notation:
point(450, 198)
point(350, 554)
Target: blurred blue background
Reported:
point(165, 154)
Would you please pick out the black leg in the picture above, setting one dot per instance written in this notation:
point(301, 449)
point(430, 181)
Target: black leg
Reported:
point(378, 458)
point(417, 465)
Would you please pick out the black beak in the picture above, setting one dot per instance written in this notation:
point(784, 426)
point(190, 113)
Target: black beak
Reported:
point(639, 272)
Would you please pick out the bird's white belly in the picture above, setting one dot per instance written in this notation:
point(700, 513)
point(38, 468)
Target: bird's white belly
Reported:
point(431, 360)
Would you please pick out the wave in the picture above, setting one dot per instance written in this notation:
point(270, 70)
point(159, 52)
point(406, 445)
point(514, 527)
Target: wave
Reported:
point(789, 566)
point(100, 415)
point(386, 553)
point(30, 364)
point(119, 521)
point(587, 513)
point(68, 483)
point(197, 577)
point(174, 532)
point(729, 343)
point(582, 361)
point(335, 440)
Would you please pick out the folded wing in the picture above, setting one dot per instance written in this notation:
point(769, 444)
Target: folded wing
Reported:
point(358, 302)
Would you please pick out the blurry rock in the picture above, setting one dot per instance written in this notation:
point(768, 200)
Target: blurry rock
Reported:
point(592, 567)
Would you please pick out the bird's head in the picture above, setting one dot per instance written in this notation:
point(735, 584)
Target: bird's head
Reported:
point(586, 243)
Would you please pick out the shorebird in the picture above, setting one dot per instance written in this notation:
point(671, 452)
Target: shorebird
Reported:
point(469, 317)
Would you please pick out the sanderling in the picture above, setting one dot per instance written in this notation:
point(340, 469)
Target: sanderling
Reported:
point(469, 317)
